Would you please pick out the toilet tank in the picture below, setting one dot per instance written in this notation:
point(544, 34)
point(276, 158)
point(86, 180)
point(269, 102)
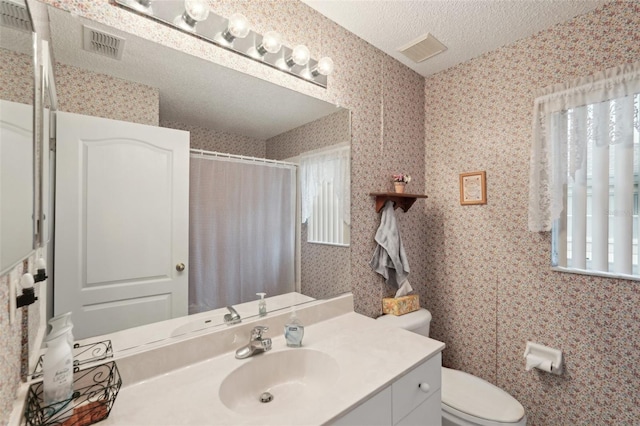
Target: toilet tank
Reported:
point(417, 321)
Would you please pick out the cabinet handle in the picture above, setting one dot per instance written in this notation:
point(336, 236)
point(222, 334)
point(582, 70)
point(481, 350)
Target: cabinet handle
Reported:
point(424, 387)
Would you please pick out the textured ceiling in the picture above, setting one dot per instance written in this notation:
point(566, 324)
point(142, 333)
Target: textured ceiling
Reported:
point(192, 90)
point(468, 28)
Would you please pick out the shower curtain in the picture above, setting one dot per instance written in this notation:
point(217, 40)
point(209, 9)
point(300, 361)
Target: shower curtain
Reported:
point(241, 230)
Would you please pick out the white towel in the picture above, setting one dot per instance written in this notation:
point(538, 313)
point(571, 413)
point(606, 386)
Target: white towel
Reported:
point(389, 258)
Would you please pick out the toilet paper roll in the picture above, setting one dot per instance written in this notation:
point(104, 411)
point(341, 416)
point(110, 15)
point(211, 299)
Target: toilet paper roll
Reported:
point(543, 364)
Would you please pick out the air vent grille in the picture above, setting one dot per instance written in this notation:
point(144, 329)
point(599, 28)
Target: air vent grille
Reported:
point(102, 43)
point(422, 48)
point(15, 15)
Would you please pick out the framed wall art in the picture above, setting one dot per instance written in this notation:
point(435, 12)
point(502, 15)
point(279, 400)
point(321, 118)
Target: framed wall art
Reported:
point(473, 188)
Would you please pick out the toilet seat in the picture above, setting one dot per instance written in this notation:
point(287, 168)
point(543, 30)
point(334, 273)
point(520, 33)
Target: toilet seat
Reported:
point(470, 398)
point(453, 417)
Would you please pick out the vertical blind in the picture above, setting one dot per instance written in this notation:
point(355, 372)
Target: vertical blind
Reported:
point(326, 196)
point(585, 168)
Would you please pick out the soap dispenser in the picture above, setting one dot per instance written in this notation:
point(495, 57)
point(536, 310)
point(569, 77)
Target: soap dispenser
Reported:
point(262, 304)
point(293, 330)
point(57, 367)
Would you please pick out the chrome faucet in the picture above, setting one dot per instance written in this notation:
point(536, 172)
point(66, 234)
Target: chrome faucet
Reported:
point(257, 343)
point(233, 317)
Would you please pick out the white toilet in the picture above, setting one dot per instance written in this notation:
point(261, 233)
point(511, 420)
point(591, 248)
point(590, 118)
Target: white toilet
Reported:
point(467, 400)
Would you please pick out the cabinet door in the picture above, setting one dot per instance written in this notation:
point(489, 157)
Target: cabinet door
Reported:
point(426, 414)
point(374, 412)
point(408, 392)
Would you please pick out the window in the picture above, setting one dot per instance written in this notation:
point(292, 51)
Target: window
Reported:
point(325, 192)
point(586, 173)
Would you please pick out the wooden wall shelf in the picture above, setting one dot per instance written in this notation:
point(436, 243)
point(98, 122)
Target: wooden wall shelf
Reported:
point(404, 201)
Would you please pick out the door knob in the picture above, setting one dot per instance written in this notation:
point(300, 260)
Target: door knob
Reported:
point(180, 267)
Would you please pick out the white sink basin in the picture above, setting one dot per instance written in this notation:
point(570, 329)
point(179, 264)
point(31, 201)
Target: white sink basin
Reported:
point(293, 377)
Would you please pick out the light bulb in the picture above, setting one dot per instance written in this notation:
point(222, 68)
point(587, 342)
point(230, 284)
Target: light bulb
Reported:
point(299, 56)
point(238, 27)
point(41, 264)
point(198, 10)
point(271, 42)
point(27, 281)
point(325, 66)
point(194, 12)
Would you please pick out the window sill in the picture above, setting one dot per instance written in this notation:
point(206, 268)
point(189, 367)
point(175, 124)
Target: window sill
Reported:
point(596, 273)
point(328, 244)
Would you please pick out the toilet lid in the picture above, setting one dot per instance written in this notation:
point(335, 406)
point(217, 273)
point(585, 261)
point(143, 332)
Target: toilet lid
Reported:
point(409, 321)
point(479, 398)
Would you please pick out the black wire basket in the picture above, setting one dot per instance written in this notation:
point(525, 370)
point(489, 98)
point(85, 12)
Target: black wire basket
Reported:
point(82, 354)
point(95, 391)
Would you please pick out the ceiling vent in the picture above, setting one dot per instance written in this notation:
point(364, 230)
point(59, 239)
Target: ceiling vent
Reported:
point(422, 48)
point(15, 15)
point(102, 43)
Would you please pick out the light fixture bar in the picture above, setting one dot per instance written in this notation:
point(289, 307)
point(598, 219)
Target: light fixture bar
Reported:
point(212, 30)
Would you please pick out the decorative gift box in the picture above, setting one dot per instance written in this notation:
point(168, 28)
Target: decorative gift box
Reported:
point(400, 305)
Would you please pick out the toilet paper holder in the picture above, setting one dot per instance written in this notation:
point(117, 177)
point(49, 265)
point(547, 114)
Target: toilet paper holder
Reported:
point(543, 358)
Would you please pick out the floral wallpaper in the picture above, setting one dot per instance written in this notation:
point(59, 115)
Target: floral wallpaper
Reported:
point(330, 130)
point(17, 82)
point(10, 347)
point(215, 140)
point(85, 92)
point(490, 287)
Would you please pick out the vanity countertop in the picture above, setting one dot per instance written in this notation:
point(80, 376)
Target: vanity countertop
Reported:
point(370, 356)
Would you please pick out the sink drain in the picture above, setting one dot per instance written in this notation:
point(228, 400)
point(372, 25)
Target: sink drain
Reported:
point(266, 397)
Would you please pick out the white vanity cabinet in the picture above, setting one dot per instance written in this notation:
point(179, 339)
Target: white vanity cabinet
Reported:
point(413, 399)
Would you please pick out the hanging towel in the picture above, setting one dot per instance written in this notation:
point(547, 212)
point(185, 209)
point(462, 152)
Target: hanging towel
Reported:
point(389, 258)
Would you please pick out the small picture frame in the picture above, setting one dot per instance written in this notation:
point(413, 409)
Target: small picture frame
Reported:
point(473, 188)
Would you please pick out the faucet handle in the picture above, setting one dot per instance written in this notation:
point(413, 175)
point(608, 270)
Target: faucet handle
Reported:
point(266, 344)
point(257, 331)
point(233, 317)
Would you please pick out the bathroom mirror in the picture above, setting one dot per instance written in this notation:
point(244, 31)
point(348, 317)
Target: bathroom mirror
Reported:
point(211, 102)
point(17, 88)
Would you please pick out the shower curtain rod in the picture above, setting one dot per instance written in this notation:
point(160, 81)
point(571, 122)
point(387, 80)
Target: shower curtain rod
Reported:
point(241, 157)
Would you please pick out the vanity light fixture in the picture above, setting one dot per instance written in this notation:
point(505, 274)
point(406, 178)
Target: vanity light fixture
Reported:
point(194, 12)
point(233, 34)
point(143, 6)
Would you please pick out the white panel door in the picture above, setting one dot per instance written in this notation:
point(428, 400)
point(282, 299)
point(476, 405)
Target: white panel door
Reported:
point(121, 223)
